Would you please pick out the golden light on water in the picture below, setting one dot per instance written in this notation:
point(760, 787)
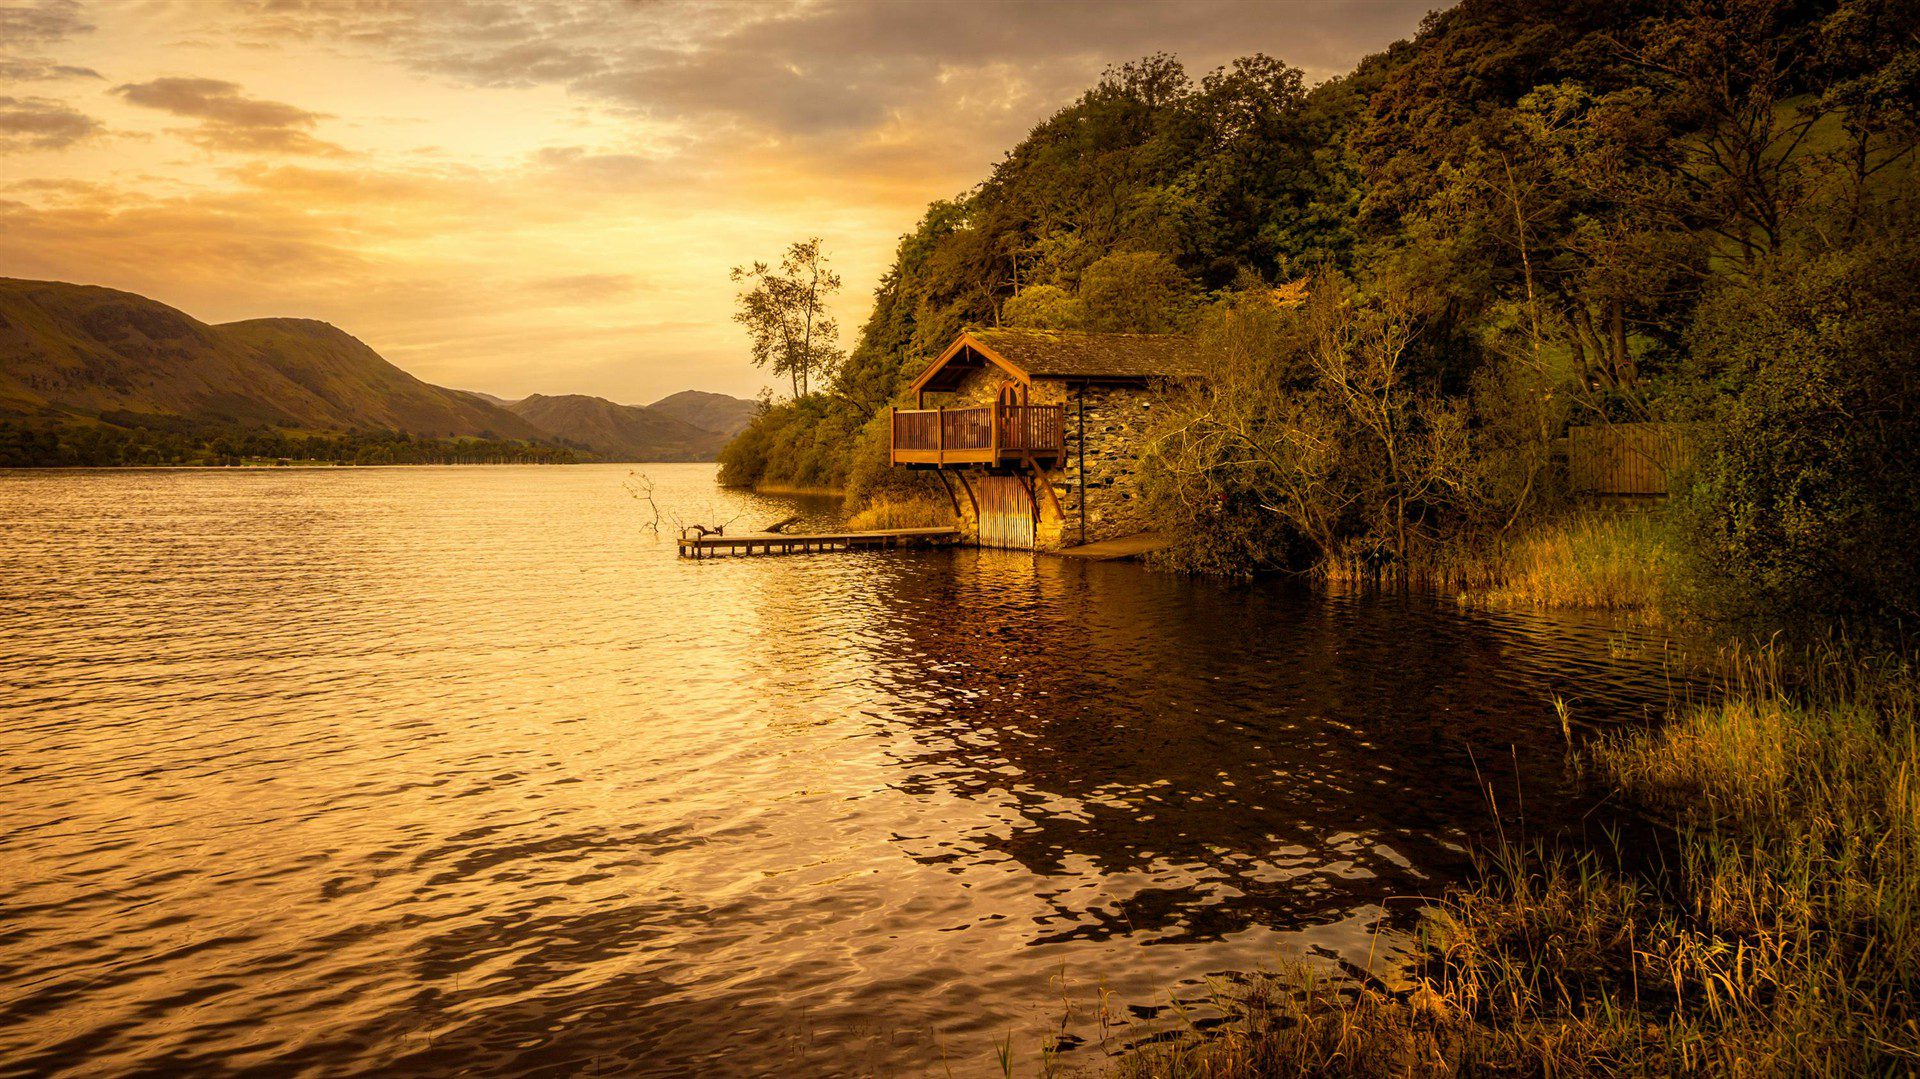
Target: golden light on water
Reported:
point(452, 770)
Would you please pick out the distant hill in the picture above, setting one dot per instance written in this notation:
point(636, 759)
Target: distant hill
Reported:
point(716, 412)
point(81, 353)
point(620, 432)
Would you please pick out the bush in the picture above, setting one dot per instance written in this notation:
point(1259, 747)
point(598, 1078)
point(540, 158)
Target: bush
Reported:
point(1802, 508)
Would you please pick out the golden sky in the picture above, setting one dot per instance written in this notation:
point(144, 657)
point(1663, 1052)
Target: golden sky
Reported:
point(546, 197)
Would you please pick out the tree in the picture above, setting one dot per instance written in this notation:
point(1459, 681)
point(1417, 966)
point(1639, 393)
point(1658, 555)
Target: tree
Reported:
point(1042, 307)
point(1308, 416)
point(786, 315)
point(1135, 292)
point(1802, 507)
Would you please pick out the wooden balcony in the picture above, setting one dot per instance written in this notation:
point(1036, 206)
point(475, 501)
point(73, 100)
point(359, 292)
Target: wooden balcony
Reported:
point(987, 435)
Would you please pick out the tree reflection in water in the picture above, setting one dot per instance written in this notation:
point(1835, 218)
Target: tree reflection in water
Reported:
point(1189, 759)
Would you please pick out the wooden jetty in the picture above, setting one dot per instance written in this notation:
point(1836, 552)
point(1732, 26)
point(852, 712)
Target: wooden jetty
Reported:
point(747, 543)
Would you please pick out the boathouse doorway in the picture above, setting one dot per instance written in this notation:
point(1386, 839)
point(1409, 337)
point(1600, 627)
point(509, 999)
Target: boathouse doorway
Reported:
point(1006, 512)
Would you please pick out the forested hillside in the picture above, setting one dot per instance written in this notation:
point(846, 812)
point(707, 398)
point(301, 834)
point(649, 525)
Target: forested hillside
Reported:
point(75, 352)
point(1414, 277)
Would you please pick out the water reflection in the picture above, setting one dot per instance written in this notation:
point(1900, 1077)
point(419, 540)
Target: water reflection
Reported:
point(431, 770)
point(1187, 760)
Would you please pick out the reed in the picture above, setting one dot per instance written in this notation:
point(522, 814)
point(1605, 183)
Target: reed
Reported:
point(1787, 940)
point(1593, 560)
point(1597, 561)
point(902, 513)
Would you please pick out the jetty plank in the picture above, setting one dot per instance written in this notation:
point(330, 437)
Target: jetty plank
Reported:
point(765, 543)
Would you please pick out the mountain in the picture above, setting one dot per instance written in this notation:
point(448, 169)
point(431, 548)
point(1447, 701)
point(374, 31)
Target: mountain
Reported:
point(716, 412)
point(497, 402)
point(78, 353)
point(620, 432)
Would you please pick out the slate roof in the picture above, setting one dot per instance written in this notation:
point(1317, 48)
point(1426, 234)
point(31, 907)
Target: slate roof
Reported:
point(1066, 354)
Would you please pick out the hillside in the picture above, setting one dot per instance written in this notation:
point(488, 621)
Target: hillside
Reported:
point(78, 353)
point(716, 412)
point(620, 432)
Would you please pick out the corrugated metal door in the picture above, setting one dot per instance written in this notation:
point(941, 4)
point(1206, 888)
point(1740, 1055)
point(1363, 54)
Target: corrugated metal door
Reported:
point(1006, 512)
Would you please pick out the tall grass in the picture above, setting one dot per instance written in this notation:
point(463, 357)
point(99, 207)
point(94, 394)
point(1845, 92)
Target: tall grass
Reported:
point(1786, 940)
point(1595, 560)
point(902, 513)
point(1599, 561)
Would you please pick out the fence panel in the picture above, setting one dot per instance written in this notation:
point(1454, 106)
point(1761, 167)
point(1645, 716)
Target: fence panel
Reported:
point(1626, 459)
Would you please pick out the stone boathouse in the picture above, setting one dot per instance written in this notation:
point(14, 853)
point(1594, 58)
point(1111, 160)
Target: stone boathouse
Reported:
point(1036, 433)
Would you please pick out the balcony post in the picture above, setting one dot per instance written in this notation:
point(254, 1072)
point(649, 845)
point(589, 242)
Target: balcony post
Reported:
point(940, 435)
point(893, 436)
point(993, 434)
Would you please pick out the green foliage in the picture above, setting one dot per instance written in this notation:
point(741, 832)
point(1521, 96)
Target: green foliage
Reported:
point(1808, 486)
point(808, 438)
point(1311, 412)
point(1135, 292)
point(1536, 213)
point(1044, 307)
point(786, 315)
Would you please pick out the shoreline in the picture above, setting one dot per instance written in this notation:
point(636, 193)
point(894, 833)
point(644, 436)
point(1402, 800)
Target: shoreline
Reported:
point(793, 489)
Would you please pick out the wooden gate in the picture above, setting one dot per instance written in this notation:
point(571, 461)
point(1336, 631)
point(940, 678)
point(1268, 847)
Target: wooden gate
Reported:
point(1006, 512)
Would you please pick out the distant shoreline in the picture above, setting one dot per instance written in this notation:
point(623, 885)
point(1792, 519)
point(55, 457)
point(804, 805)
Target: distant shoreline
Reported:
point(330, 466)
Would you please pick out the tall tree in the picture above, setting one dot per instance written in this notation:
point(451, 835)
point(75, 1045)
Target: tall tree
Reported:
point(785, 313)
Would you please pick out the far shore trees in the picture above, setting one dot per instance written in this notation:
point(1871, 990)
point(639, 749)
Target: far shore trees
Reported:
point(785, 313)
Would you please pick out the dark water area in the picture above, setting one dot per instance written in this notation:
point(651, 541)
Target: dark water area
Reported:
point(426, 770)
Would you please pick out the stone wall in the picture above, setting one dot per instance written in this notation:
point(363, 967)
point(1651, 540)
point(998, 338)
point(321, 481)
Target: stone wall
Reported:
point(1115, 421)
point(981, 387)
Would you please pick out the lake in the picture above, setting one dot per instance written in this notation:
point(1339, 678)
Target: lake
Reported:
point(420, 770)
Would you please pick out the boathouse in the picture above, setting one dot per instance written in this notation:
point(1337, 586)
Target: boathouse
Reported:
point(1036, 433)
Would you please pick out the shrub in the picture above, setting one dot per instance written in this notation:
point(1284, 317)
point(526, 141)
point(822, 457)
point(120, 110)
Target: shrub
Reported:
point(1802, 508)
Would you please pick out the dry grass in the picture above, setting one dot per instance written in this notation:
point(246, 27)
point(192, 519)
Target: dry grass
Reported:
point(902, 513)
point(1787, 941)
point(1597, 561)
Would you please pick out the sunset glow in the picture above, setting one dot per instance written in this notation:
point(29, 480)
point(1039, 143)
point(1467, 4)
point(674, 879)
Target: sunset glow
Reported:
point(543, 198)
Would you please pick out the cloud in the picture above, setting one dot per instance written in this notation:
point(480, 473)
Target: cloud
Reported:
point(42, 23)
point(579, 167)
point(229, 120)
point(587, 287)
point(832, 67)
point(599, 165)
point(29, 26)
point(35, 69)
point(39, 123)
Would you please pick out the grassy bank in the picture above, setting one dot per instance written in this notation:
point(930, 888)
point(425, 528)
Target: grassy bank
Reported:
point(1785, 941)
point(1593, 560)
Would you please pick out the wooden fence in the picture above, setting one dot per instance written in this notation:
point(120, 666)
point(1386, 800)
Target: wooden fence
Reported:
point(1633, 460)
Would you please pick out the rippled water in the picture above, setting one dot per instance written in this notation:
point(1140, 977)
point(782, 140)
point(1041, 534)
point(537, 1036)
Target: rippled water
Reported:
point(429, 769)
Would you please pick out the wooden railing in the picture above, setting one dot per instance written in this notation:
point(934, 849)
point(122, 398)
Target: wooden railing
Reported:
point(1033, 428)
point(984, 434)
